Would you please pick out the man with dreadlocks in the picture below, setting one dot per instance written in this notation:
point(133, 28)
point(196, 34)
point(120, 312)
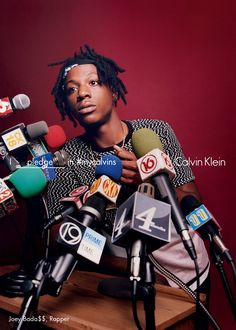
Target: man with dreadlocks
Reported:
point(87, 91)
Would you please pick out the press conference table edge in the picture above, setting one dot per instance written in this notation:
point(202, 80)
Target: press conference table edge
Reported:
point(98, 312)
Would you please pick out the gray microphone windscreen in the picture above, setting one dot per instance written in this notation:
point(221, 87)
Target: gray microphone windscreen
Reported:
point(147, 189)
point(21, 101)
point(37, 129)
point(61, 158)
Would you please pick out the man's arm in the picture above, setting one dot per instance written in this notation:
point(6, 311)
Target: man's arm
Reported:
point(189, 188)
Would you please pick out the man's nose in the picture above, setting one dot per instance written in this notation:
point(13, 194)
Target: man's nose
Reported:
point(83, 93)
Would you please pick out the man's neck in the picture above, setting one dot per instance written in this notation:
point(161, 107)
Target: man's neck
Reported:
point(109, 133)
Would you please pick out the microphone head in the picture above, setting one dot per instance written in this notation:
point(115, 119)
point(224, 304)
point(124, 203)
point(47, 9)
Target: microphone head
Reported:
point(61, 158)
point(29, 181)
point(145, 140)
point(111, 166)
point(188, 204)
point(147, 189)
point(21, 101)
point(55, 136)
point(37, 129)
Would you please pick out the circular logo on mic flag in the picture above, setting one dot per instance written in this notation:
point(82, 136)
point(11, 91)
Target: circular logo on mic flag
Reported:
point(5, 105)
point(70, 233)
point(95, 185)
point(78, 191)
point(148, 164)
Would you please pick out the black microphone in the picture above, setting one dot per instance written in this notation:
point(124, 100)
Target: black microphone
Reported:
point(155, 164)
point(78, 235)
point(143, 224)
point(201, 220)
point(73, 203)
point(20, 136)
point(9, 106)
point(9, 160)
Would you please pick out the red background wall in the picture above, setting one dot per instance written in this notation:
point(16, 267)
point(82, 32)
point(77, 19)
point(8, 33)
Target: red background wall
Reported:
point(180, 66)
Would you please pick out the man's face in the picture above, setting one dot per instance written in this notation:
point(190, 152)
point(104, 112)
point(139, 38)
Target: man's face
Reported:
point(90, 102)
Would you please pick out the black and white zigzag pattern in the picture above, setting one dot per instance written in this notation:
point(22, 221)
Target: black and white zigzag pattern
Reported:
point(82, 172)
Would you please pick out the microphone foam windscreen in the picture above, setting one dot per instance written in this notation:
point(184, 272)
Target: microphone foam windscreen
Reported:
point(145, 140)
point(21, 101)
point(37, 129)
point(188, 204)
point(111, 166)
point(29, 181)
point(147, 189)
point(55, 137)
point(61, 158)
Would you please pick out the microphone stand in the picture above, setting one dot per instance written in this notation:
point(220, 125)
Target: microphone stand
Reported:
point(48, 279)
point(17, 283)
point(30, 302)
point(142, 273)
point(149, 293)
point(219, 263)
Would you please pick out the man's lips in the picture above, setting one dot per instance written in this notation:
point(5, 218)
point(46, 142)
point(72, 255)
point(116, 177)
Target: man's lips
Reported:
point(87, 108)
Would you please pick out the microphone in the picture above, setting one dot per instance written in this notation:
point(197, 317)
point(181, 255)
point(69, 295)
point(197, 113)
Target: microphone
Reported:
point(155, 164)
point(36, 132)
point(9, 106)
point(55, 137)
point(201, 220)
point(142, 217)
point(75, 203)
point(138, 249)
point(60, 158)
point(10, 161)
point(29, 181)
point(7, 201)
point(20, 135)
point(142, 223)
point(103, 186)
point(49, 161)
point(102, 191)
point(72, 200)
point(79, 191)
point(77, 235)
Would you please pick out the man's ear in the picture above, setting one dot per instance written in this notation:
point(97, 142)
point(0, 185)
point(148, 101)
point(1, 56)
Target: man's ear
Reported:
point(114, 98)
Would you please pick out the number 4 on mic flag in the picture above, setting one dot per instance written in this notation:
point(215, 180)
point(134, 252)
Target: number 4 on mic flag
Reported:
point(142, 216)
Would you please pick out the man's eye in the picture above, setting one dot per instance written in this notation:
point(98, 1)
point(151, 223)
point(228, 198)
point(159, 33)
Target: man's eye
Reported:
point(94, 82)
point(71, 90)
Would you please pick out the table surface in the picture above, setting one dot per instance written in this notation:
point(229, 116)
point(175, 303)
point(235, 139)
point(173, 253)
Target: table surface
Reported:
point(80, 306)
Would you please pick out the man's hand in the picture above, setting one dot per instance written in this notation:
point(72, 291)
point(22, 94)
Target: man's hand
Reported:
point(130, 174)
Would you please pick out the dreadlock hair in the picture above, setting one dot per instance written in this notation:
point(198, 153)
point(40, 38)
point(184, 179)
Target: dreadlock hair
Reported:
point(107, 71)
